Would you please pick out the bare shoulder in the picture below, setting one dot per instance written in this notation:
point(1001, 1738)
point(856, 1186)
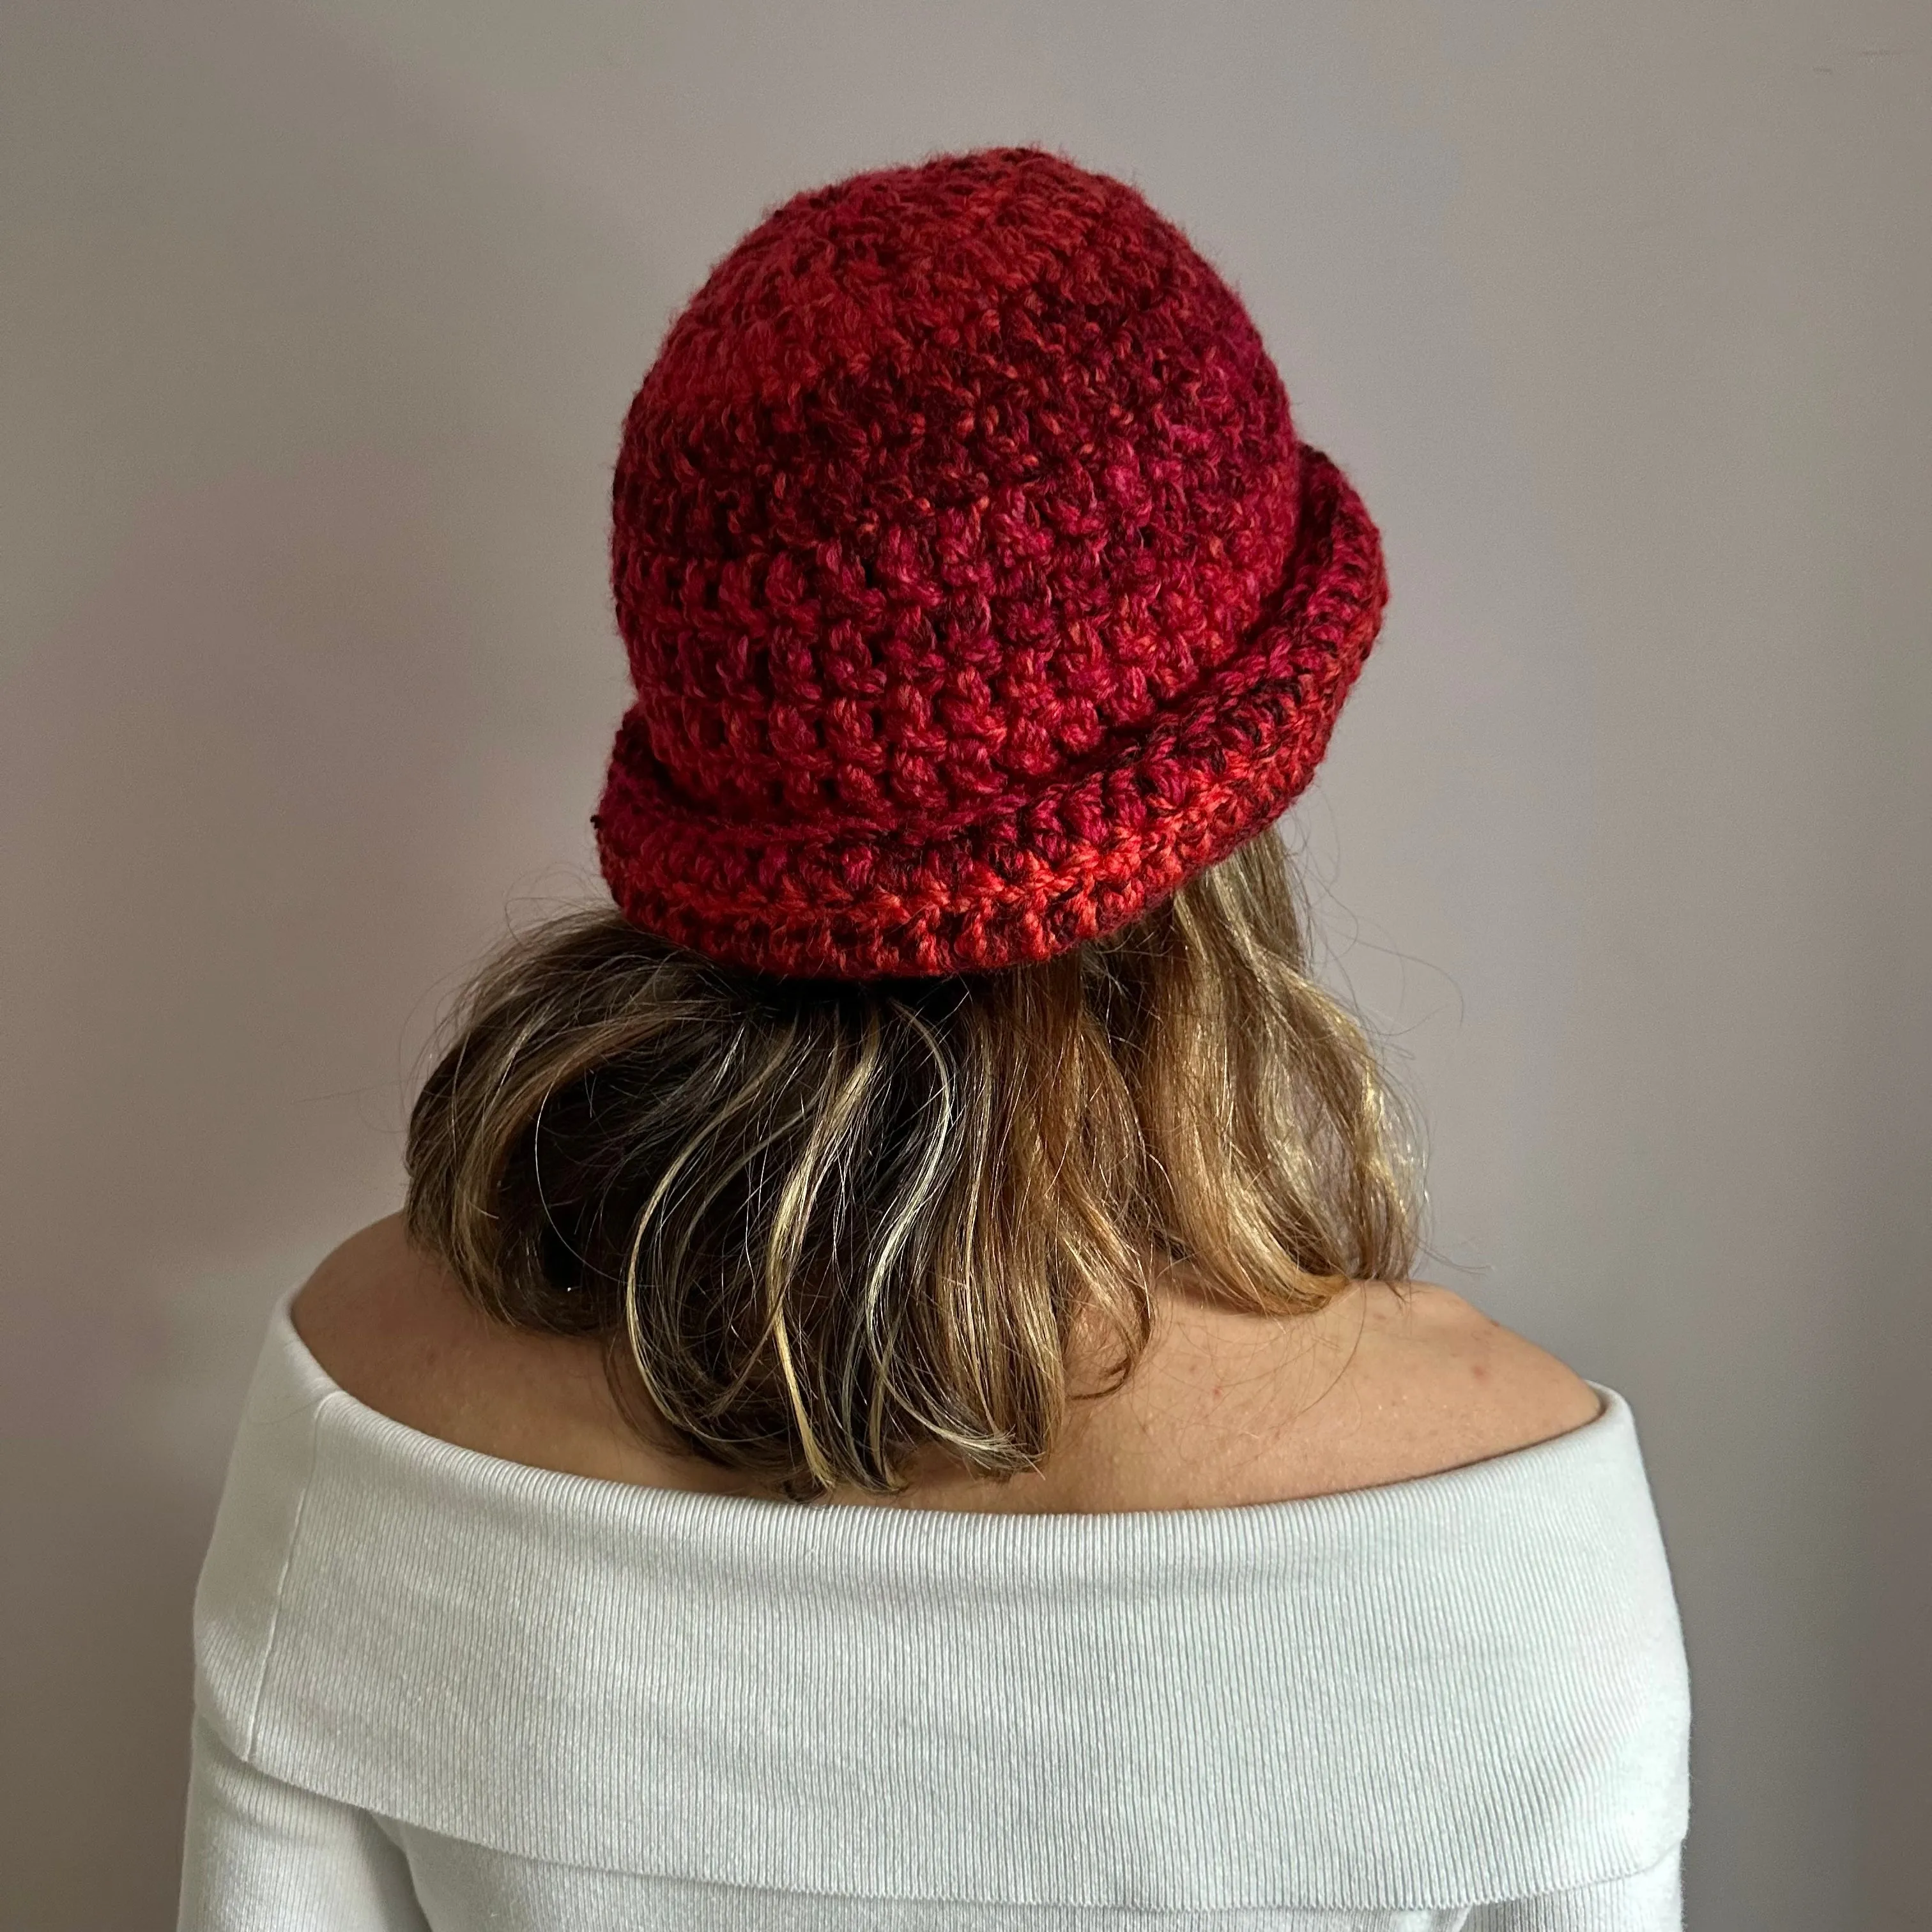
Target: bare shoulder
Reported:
point(1453, 1385)
point(393, 1327)
point(385, 1320)
point(1385, 1384)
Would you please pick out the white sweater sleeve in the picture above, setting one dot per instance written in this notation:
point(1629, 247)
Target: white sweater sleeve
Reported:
point(1651, 1900)
point(264, 1856)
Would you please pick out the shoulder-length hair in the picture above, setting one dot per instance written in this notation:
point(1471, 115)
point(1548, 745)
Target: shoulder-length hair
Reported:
point(823, 1227)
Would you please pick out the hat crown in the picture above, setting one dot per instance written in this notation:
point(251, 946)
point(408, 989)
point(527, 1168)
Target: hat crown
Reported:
point(976, 589)
point(948, 479)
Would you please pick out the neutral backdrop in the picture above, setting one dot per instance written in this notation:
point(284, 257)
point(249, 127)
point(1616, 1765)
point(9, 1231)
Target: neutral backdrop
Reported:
point(319, 322)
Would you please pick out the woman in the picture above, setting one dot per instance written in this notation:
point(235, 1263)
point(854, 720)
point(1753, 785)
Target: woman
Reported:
point(895, 1398)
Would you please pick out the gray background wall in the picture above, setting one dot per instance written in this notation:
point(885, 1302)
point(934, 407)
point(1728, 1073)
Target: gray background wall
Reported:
point(319, 324)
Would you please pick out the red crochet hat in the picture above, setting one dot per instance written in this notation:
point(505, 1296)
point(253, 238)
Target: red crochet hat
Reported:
point(976, 587)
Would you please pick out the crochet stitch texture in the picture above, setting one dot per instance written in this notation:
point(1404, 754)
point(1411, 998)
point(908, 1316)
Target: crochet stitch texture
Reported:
point(976, 588)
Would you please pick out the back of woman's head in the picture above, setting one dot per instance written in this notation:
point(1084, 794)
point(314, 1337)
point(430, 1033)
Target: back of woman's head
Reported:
point(827, 1226)
point(984, 609)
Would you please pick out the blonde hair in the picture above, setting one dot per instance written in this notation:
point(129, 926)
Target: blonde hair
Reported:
point(824, 1227)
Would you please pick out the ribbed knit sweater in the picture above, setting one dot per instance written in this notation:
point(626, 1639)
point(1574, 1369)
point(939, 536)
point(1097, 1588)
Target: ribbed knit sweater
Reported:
point(436, 1689)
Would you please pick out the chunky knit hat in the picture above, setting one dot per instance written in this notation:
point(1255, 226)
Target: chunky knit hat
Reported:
point(976, 589)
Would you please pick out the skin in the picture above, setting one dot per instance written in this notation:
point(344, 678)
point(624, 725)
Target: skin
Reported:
point(1223, 1409)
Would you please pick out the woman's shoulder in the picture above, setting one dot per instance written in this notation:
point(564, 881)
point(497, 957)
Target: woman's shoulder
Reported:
point(392, 1326)
point(1388, 1382)
point(362, 1597)
point(1462, 1385)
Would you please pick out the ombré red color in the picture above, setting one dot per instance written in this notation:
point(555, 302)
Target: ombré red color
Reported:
point(976, 589)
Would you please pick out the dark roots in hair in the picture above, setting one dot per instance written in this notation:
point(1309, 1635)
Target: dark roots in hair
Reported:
point(824, 1227)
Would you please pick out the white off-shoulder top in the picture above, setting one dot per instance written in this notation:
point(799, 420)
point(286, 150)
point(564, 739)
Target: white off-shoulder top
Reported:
point(436, 1689)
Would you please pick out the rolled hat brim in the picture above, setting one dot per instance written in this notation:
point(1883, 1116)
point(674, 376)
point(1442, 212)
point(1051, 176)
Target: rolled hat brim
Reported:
point(1094, 847)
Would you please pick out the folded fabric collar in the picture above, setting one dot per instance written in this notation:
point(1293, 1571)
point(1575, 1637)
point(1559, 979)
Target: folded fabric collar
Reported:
point(1466, 1685)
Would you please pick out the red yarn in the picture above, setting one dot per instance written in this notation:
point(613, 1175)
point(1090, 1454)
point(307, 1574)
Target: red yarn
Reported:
point(976, 587)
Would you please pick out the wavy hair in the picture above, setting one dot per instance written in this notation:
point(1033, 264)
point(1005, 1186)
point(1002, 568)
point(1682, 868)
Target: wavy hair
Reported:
point(823, 1227)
